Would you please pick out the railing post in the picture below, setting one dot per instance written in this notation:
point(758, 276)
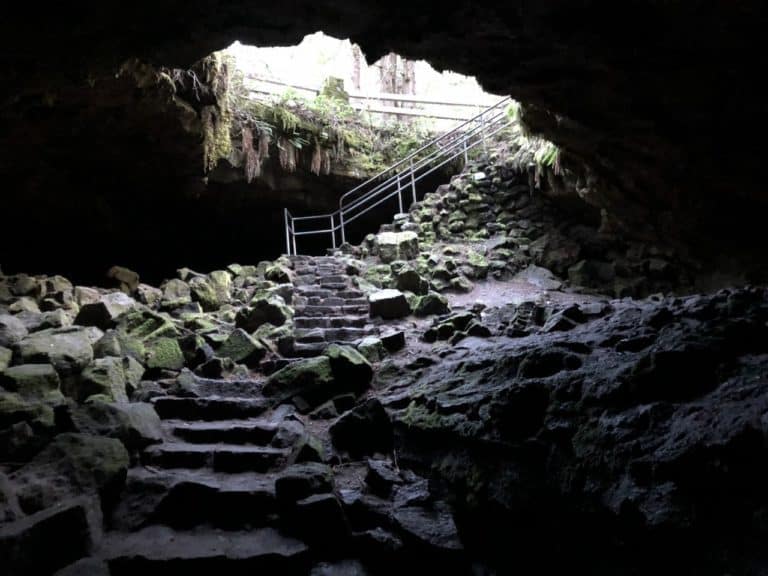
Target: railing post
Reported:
point(341, 225)
point(287, 232)
point(466, 155)
point(413, 183)
point(399, 193)
point(333, 233)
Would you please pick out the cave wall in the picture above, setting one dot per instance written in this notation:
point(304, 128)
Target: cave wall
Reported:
point(656, 101)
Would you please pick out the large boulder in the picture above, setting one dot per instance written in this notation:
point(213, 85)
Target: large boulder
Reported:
point(12, 330)
point(432, 303)
point(71, 465)
point(311, 379)
point(175, 293)
point(105, 378)
point(393, 246)
point(364, 430)
point(263, 310)
point(104, 313)
point(350, 368)
point(389, 304)
point(242, 348)
point(50, 539)
point(31, 380)
point(69, 350)
point(135, 424)
point(123, 278)
point(164, 354)
point(6, 355)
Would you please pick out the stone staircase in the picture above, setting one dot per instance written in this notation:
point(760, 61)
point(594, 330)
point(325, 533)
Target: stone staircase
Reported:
point(208, 497)
point(328, 308)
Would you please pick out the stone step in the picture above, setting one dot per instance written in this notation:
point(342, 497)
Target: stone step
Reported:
point(313, 291)
point(163, 551)
point(333, 279)
point(219, 457)
point(223, 500)
point(251, 431)
point(330, 322)
point(350, 294)
point(209, 408)
point(336, 286)
point(328, 335)
point(317, 310)
point(302, 350)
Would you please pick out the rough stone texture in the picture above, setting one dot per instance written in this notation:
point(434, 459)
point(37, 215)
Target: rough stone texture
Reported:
point(104, 313)
point(68, 349)
point(50, 539)
point(136, 425)
point(641, 428)
point(389, 304)
point(12, 330)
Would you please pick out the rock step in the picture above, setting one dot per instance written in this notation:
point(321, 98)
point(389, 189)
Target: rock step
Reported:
point(209, 408)
point(258, 432)
point(163, 551)
point(308, 350)
point(329, 322)
point(333, 279)
point(328, 335)
point(317, 310)
point(313, 291)
point(219, 457)
point(336, 286)
point(223, 500)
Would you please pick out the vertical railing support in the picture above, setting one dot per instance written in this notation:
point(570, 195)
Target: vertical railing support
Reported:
point(333, 233)
point(341, 225)
point(466, 154)
point(399, 193)
point(413, 182)
point(287, 233)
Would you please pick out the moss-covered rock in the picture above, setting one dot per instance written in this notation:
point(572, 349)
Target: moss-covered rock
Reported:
point(350, 368)
point(31, 380)
point(15, 408)
point(105, 377)
point(164, 354)
point(397, 246)
point(272, 310)
point(135, 424)
point(242, 348)
point(69, 350)
point(71, 465)
point(5, 358)
point(432, 303)
point(278, 273)
point(311, 379)
point(175, 293)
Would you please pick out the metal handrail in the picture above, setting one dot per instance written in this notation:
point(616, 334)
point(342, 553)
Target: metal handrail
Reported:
point(487, 123)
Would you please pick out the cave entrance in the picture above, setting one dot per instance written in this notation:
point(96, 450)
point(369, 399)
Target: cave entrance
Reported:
point(313, 121)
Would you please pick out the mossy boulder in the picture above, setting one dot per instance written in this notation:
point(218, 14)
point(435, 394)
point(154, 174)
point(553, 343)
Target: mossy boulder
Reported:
point(6, 355)
point(71, 465)
point(104, 313)
point(69, 350)
point(135, 424)
point(175, 293)
point(277, 273)
point(272, 310)
point(393, 246)
point(312, 379)
point(105, 377)
point(372, 348)
point(389, 304)
point(164, 354)
point(242, 348)
point(407, 279)
point(350, 368)
point(31, 380)
point(432, 303)
point(12, 330)
point(15, 408)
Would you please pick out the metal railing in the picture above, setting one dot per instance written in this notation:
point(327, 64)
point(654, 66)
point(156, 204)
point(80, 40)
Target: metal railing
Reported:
point(396, 180)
